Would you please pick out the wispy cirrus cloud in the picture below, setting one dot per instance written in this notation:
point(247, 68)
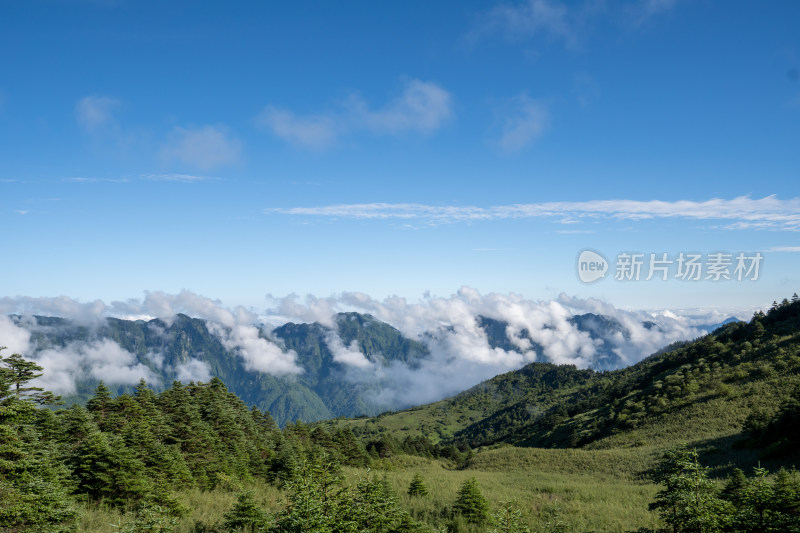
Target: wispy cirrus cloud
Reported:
point(205, 147)
point(784, 249)
point(80, 179)
point(182, 178)
point(741, 212)
point(652, 8)
point(528, 19)
point(422, 107)
point(567, 23)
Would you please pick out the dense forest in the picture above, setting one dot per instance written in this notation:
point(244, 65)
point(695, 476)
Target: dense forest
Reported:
point(679, 436)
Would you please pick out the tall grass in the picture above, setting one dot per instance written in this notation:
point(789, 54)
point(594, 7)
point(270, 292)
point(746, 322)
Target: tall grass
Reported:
point(583, 490)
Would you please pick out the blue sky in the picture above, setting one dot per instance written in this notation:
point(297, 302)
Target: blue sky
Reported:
point(241, 149)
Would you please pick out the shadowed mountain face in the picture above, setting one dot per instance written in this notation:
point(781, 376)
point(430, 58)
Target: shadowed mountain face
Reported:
point(344, 370)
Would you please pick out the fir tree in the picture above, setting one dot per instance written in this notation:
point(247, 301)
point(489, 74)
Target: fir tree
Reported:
point(33, 481)
point(246, 515)
point(471, 504)
point(417, 486)
point(688, 501)
point(508, 519)
point(15, 373)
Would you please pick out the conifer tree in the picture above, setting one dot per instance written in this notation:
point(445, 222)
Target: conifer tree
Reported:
point(417, 486)
point(15, 373)
point(246, 515)
point(470, 502)
point(101, 400)
point(508, 519)
point(33, 496)
point(688, 501)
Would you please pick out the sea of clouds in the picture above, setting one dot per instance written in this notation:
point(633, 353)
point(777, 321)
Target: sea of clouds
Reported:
point(460, 352)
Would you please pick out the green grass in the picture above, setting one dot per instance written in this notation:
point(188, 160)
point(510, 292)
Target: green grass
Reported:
point(590, 500)
point(597, 490)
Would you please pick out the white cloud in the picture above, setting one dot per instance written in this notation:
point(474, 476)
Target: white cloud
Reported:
point(460, 353)
point(258, 353)
point(193, 370)
point(310, 131)
point(15, 338)
point(784, 249)
point(80, 179)
point(103, 359)
point(182, 178)
point(96, 113)
point(61, 306)
point(769, 212)
point(568, 23)
point(422, 107)
point(236, 329)
point(523, 123)
point(205, 147)
point(651, 8)
point(529, 19)
point(312, 309)
point(347, 355)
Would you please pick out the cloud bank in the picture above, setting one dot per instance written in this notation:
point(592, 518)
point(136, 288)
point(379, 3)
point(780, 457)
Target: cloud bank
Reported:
point(237, 329)
point(460, 351)
point(461, 354)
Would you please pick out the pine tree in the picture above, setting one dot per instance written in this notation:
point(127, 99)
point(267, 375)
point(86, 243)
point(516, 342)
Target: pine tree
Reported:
point(787, 490)
point(246, 515)
point(101, 400)
point(735, 487)
point(417, 486)
point(149, 518)
point(33, 494)
point(471, 504)
point(16, 372)
point(105, 469)
point(375, 505)
point(508, 519)
point(688, 501)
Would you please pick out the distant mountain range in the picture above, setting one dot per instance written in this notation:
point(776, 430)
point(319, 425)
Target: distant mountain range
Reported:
point(341, 366)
